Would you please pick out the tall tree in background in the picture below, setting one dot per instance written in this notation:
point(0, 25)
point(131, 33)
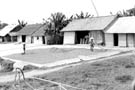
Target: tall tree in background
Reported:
point(53, 25)
point(130, 12)
point(58, 21)
point(48, 27)
point(22, 23)
point(82, 15)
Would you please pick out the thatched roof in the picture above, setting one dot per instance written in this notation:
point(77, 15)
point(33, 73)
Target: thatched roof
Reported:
point(40, 31)
point(29, 29)
point(123, 25)
point(93, 23)
point(14, 31)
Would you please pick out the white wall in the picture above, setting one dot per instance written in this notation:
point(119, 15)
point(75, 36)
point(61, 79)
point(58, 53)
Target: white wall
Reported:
point(28, 39)
point(130, 40)
point(69, 37)
point(109, 39)
point(38, 40)
point(97, 35)
point(0, 39)
point(19, 38)
point(122, 40)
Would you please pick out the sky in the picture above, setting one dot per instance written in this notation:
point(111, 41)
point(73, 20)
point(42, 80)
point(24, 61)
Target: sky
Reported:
point(33, 11)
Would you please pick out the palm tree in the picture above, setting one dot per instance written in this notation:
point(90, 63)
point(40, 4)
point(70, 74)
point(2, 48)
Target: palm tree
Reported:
point(53, 25)
point(48, 27)
point(57, 20)
point(130, 12)
point(122, 13)
point(22, 23)
point(82, 15)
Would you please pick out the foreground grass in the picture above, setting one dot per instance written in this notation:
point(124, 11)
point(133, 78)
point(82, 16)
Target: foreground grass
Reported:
point(112, 74)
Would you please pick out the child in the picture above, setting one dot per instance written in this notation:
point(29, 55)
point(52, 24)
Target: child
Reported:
point(91, 41)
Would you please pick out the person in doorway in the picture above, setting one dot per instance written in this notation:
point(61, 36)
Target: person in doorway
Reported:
point(91, 42)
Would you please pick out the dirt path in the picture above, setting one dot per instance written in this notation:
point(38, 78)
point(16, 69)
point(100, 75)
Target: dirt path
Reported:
point(9, 78)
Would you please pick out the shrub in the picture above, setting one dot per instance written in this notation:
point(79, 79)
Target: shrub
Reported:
point(29, 67)
point(124, 78)
point(1, 59)
point(131, 65)
point(6, 66)
point(54, 39)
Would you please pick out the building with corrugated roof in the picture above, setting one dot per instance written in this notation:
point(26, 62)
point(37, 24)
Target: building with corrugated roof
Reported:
point(4, 33)
point(39, 36)
point(79, 31)
point(121, 33)
point(25, 34)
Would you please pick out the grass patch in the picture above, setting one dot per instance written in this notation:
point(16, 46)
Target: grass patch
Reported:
point(124, 78)
point(112, 74)
point(43, 56)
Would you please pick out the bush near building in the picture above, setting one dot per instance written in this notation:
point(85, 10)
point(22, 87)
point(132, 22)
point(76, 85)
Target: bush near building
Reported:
point(6, 65)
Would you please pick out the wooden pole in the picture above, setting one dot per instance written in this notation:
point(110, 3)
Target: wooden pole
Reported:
point(94, 7)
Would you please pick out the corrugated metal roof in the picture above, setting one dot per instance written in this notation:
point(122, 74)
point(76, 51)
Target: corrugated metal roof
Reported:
point(93, 23)
point(6, 30)
point(40, 31)
point(29, 29)
point(123, 25)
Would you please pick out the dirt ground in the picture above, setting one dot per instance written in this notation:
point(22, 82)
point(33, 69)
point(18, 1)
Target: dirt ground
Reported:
point(49, 55)
point(112, 74)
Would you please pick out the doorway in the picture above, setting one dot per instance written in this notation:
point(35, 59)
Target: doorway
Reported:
point(23, 38)
point(115, 39)
point(81, 37)
point(43, 39)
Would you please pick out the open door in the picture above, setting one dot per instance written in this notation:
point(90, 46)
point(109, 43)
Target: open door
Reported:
point(43, 39)
point(23, 38)
point(81, 37)
point(115, 39)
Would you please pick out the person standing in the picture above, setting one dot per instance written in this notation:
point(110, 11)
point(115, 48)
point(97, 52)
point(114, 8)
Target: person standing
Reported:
point(91, 42)
point(24, 48)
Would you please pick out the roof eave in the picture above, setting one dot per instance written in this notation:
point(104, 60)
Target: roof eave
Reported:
point(82, 30)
